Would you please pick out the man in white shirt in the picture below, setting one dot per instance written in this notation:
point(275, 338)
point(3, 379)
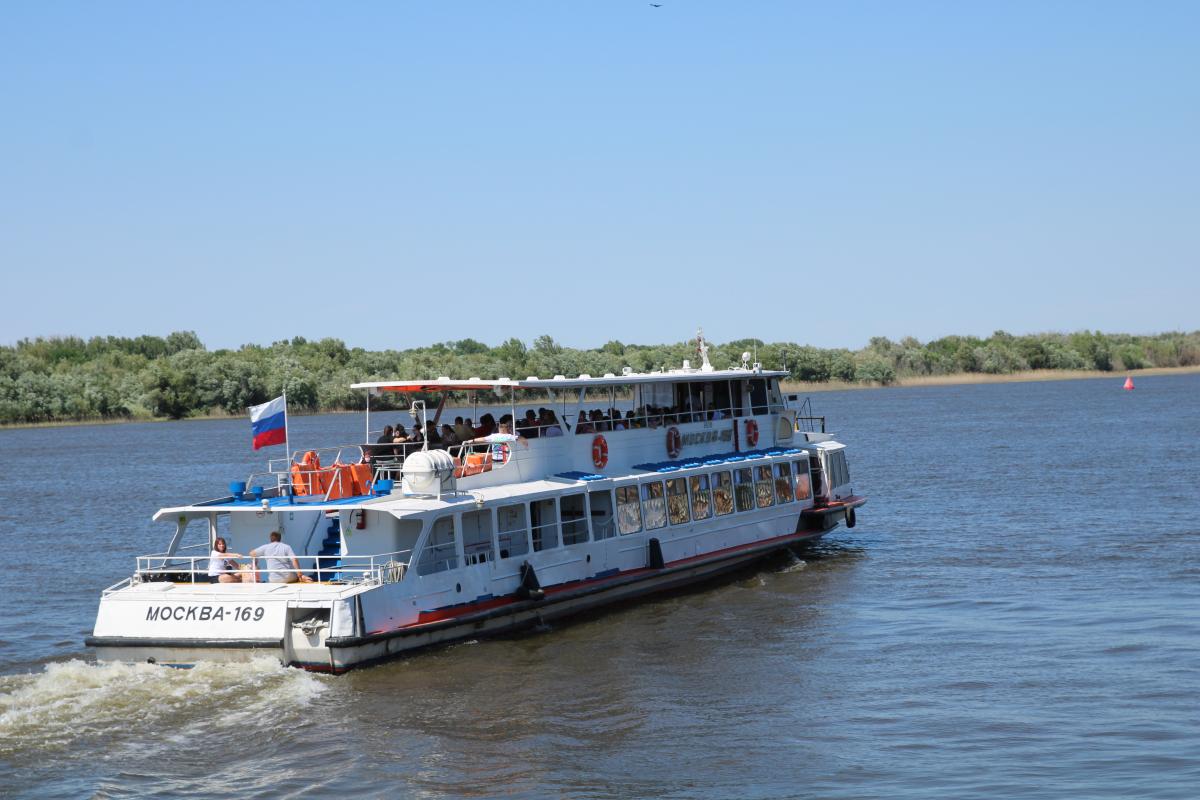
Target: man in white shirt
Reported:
point(277, 554)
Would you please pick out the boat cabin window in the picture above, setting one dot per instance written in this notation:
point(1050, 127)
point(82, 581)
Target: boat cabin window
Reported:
point(440, 553)
point(762, 487)
point(774, 396)
point(720, 399)
point(803, 485)
point(601, 505)
point(783, 482)
point(701, 498)
point(629, 510)
point(744, 482)
point(544, 515)
point(839, 473)
point(513, 529)
point(677, 501)
point(758, 395)
point(722, 493)
point(477, 536)
point(654, 505)
point(406, 533)
point(574, 519)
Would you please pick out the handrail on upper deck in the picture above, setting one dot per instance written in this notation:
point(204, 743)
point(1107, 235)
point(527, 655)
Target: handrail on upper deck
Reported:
point(372, 568)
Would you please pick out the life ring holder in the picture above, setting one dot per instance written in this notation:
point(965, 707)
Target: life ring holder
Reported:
point(599, 452)
point(674, 442)
point(751, 433)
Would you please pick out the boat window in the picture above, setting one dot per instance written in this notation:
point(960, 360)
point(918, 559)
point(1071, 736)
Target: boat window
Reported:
point(762, 487)
point(629, 511)
point(758, 395)
point(545, 524)
point(513, 530)
point(677, 501)
point(654, 505)
point(601, 505)
point(774, 395)
point(574, 519)
point(818, 478)
point(735, 397)
point(477, 536)
point(783, 482)
point(839, 475)
point(722, 493)
point(701, 498)
point(406, 533)
point(720, 399)
point(744, 479)
point(803, 486)
point(440, 553)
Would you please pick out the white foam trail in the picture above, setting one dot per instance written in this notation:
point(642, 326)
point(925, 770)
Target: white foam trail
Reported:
point(75, 699)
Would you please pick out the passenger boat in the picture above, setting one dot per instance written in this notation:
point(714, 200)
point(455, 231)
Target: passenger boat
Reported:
point(702, 471)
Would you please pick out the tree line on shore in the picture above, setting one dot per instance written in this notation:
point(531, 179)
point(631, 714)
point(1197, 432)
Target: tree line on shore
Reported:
point(70, 378)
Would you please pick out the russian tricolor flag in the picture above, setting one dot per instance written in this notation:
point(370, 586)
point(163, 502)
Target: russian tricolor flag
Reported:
point(268, 422)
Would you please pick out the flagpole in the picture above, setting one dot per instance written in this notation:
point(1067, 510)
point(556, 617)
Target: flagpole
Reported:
point(287, 439)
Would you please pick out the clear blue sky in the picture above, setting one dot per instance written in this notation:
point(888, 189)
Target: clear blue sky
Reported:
point(395, 174)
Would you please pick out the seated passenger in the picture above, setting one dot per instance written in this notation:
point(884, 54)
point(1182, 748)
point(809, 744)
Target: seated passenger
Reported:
point(278, 555)
point(463, 429)
point(223, 569)
point(431, 436)
point(386, 436)
point(487, 425)
point(549, 423)
point(583, 426)
point(529, 425)
point(449, 437)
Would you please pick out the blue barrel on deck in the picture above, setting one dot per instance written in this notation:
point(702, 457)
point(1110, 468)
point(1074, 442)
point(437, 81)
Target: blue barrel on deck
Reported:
point(383, 487)
point(237, 489)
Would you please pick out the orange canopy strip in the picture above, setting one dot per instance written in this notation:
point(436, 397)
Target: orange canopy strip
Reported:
point(433, 387)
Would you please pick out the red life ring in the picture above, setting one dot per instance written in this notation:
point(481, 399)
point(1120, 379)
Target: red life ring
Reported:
point(751, 432)
point(674, 442)
point(599, 452)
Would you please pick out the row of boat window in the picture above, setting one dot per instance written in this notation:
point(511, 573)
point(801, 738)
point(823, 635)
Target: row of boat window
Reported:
point(539, 525)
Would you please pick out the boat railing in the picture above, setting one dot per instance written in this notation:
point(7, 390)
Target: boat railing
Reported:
point(377, 568)
point(806, 420)
point(656, 417)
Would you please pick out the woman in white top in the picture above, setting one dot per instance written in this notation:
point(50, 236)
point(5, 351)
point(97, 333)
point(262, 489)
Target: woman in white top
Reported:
point(223, 569)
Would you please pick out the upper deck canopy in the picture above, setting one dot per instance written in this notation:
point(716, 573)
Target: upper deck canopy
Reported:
point(562, 382)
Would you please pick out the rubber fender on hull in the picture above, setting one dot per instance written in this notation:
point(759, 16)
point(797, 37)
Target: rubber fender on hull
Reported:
point(656, 557)
point(851, 518)
point(530, 588)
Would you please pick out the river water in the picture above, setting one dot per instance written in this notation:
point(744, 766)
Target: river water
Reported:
point(1017, 614)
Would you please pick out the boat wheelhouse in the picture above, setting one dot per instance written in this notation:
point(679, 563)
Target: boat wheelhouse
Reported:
point(615, 487)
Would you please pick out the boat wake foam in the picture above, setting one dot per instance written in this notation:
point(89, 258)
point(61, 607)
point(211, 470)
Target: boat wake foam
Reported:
point(75, 700)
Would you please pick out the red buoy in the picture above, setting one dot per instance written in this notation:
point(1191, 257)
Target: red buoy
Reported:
point(1129, 384)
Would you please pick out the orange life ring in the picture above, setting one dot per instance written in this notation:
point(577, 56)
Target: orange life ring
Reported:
point(674, 442)
point(599, 452)
point(751, 432)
